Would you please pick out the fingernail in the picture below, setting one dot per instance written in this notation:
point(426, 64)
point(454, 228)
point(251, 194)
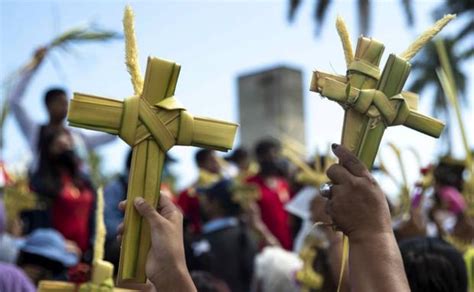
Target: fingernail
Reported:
point(334, 146)
point(139, 201)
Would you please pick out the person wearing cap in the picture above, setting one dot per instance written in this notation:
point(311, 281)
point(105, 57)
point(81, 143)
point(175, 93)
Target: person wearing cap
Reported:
point(225, 248)
point(45, 255)
point(209, 173)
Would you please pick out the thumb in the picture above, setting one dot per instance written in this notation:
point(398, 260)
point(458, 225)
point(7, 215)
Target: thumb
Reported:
point(147, 211)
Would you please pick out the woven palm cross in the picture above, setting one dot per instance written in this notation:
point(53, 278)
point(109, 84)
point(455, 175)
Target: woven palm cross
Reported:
point(151, 122)
point(372, 98)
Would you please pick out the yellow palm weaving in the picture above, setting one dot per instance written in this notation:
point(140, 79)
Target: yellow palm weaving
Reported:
point(373, 100)
point(151, 123)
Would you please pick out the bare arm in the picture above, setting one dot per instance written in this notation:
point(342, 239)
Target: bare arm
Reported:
point(376, 264)
point(28, 127)
point(358, 207)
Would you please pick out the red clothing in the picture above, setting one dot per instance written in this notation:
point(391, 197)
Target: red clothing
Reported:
point(71, 213)
point(189, 204)
point(271, 203)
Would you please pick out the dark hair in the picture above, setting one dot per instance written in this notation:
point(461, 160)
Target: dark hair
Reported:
point(46, 180)
point(238, 155)
point(50, 269)
point(206, 282)
point(52, 94)
point(202, 155)
point(266, 145)
point(431, 264)
point(222, 193)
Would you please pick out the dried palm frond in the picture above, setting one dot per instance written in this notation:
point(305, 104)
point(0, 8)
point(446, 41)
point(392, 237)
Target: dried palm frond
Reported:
point(73, 36)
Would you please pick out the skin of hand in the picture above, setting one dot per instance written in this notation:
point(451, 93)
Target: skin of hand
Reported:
point(358, 207)
point(166, 264)
point(334, 251)
point(353, 194)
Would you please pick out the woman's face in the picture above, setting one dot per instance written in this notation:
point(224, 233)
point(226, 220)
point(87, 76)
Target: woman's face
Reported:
point(63, 142)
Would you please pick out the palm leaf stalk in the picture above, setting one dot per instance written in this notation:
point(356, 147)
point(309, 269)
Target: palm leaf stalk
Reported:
point(448, 83)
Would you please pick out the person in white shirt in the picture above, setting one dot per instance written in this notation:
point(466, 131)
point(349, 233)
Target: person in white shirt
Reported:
point(56, 102)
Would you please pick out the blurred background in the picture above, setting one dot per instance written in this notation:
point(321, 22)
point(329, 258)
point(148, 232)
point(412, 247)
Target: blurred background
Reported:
point(231, 51)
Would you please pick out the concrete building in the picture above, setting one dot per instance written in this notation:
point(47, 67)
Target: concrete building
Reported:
point(271, 104)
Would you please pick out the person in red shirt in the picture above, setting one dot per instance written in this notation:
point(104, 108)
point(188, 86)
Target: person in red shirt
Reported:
point(67, 193)
point(274, 190)
point(188, 202)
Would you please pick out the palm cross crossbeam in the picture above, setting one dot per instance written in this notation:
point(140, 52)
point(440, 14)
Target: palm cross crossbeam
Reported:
point(374, 100)
point(151, 123)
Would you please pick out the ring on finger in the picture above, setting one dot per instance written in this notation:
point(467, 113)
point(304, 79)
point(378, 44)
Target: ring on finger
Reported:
point(325, 190)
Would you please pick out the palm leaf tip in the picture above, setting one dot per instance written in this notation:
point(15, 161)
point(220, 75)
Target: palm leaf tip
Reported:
point(84, 34)
point(294, 5)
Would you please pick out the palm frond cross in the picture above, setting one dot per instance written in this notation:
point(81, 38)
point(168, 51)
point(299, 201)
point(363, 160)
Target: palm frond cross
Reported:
point(373, 99)
point(151, 122)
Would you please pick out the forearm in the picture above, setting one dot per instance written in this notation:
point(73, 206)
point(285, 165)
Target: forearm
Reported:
point(266, 236)
point(178, 280)
point(375, 264)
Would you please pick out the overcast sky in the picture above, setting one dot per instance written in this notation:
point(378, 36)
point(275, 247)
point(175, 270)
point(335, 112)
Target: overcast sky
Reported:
point(214, 41)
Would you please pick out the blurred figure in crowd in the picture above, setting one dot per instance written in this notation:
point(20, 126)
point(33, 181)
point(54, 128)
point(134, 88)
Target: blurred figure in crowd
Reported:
point(8, 243)
point(45, 255)
point(241, 158)
point(14, 279)
point(205, 282)
point(274, 190)
point(56, 102)
point(115, 192)
point(225, 249)
point(209, 173)
point(66, 191)
point(275, 271)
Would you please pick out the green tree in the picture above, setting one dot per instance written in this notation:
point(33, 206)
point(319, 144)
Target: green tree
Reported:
point(364, 13)
point(459, 48)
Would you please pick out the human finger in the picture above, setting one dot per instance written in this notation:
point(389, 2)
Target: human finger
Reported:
point(350, 161)
point(328, 208)
point(122, 205)
point(338, 174)
point(167, 208)
point(120, 231)
point(147, 211)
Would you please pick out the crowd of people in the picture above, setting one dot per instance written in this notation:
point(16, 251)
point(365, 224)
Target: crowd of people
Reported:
point(245, 224)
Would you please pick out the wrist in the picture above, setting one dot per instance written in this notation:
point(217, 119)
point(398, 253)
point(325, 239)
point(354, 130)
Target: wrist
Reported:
point(370, 236)
point(176, 278)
